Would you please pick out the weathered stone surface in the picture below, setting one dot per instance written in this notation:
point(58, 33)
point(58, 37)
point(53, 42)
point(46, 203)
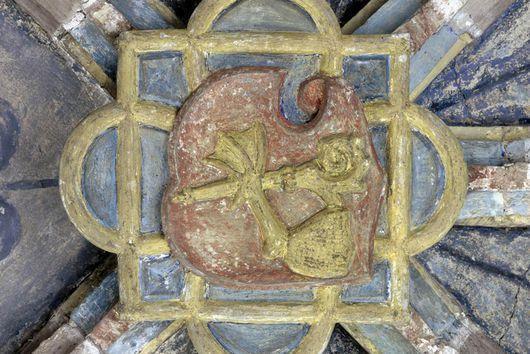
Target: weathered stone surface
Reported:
point(288, 295)
point(162, 78)
point(341, 342)
point(264, 15)
point(47, 103)
point(87, 347)
point(108, 330)
point(249, 338)
point(45, 98)
point(390, 16)
point(179, 342)
point(492, 306)
point(137, 337)
point(48, 261)
point(161, 278)
point(141, 14)
point(96, 304)
point(515, 338)
point(376, 291)
point(503, 250)
point(386, 338)
point(229, 256)
point(96, 43)
point(513, 177)
point(486, 83)
point(50, 14)
point(63, 341)
point(427, 20)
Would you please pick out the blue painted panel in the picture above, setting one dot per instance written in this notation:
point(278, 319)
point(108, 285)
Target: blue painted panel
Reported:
point(486, 84)
point(140, 14)
point(518, 151)
point(482, 204)
point(9, 131)
point(250, 338)
point(289, 295)
point(99, 179)
point(161, 278)
point(428, 179)
point(431, 308)
point(98, 45)
point(264, 15)
point(390, 16)
point(478, 152)
point(368, 75)
point(517, 202)
point(141, 333)
point(428, 176)
point(379, 138)
point(387, 339)
point(492, 203)
point(154, 176)
point(96, 305)
point(300, 68)
point(10, 228)
point(376, 291)
point(423, 61)
point(162, 78)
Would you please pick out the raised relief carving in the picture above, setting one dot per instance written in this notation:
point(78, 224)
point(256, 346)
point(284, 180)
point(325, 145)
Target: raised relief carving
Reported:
point(256, 202)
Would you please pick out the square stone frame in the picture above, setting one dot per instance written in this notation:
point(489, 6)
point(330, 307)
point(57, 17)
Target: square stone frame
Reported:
point(130, 113)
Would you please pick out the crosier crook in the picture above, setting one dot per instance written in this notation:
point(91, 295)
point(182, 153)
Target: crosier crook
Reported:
point(340, 167)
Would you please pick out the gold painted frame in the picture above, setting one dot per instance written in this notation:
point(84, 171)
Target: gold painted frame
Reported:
point(129, 113)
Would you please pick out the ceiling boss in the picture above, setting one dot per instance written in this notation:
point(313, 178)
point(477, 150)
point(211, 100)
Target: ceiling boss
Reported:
point(259, 172)
point(257, 201)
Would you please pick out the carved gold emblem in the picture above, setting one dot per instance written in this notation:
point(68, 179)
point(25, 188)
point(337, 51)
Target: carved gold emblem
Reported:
point(320, 246)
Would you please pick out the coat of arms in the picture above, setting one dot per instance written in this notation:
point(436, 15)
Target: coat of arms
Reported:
point(261, 175)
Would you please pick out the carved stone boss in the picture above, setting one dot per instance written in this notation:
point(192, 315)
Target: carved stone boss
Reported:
point(253, 201)
point(256, 201)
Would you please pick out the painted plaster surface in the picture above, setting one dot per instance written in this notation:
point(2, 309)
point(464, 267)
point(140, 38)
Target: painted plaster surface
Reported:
point(162, 78)
point(386, 339)
point(99, 179)
point(245, 338)
point(288, 295)
point(87, 315)
point(376, 291)
point(179, 342)
point(140, 14)
point(154, 176)
point(264, 15)
point(424, 60)
point(41, 99)
point(427, 179)
point(341, 342)
point(467, 259)
point(300, 68)
point(432, 310)
point(488, 82)
point(368, 76)
point(390, 16)
point(97, 44)
point(137, 337)
point(161, 278)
